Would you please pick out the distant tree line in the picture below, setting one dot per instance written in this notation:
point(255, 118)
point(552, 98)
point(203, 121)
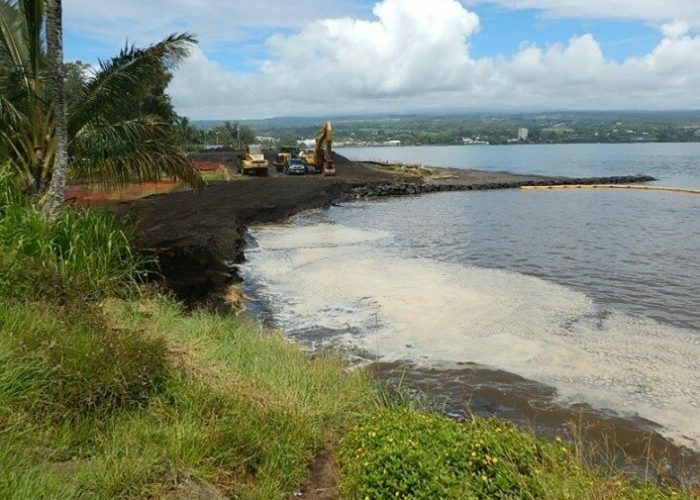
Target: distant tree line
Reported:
point(544, 128)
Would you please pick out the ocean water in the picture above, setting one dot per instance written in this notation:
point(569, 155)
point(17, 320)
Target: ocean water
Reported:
point(595, 294)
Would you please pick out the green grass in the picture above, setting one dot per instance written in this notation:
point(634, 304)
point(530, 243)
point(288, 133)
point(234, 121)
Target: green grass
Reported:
point(68, 362)
point(399, 169)
point(233, 405)
point(216, 175)
point(108, 389)
point(83, 255)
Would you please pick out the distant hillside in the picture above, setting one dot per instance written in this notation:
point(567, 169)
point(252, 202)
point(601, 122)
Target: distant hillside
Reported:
point(542, 128)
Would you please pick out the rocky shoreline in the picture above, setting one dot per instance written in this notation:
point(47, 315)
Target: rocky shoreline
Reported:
point(414, 188)
point(199, 238)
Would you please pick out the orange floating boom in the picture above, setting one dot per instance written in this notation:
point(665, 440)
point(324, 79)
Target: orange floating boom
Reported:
point(617, 186)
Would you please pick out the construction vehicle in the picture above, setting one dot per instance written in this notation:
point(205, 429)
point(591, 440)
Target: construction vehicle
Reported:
point(321, 159)
point(252, 161)
point(283, 156)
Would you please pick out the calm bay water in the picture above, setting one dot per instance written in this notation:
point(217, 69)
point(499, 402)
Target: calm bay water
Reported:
point(595, 294)
point(672, 164)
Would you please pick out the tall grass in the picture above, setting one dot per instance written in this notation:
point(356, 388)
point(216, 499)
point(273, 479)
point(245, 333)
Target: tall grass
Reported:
point(238, 409)
point(62, 363)
point(106, 392)
point(82, 255)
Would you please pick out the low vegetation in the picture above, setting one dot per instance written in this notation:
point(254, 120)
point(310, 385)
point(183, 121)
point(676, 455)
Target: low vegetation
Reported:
point(108, 388)
point(220, 174)
point(402, 453)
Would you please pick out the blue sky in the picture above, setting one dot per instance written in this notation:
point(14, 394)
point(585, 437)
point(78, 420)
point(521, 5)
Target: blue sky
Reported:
point(502, 32)
point(303, 56)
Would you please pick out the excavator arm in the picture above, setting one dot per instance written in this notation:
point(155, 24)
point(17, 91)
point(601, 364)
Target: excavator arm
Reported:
point(323, 151)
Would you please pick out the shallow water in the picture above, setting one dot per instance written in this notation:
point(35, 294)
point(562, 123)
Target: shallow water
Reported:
point(594, 294)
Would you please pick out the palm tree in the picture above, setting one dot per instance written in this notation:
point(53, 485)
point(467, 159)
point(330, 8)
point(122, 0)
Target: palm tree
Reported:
point(54, 43)
point(187, 133)
point(105, 144)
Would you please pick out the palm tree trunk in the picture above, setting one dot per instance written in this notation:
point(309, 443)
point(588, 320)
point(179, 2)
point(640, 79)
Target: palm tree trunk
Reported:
point(54, 39)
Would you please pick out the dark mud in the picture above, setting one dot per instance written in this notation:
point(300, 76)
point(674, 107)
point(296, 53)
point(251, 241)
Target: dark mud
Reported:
point(198, 237)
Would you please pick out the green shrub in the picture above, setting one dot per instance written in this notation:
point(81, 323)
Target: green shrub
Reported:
point(83, 255)
point(401, 453)
point(61, 362)
point(405, 454)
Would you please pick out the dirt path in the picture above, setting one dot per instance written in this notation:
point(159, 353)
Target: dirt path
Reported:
point(321, 482)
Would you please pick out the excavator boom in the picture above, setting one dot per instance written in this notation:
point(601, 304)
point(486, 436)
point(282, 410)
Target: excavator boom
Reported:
point(323, 152)
point(321, 158)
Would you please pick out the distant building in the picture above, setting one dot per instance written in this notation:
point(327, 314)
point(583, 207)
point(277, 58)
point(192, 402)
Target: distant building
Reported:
point(523, 133)
point(468, 141)
point(391, 143)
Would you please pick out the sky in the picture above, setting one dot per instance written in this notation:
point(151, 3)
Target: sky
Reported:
point(261, 59)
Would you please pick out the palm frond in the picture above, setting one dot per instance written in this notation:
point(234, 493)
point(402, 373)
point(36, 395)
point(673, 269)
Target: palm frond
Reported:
point(104, 145)
point(14, 52)
point(137, 150)
point(33, 30)
point(122, 78)
point(14, 141)
point(10, 117)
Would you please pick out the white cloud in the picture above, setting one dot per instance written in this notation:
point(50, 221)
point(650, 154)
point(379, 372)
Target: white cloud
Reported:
point(675, 29)
point(412, 56)
point(412, 47)
point(652, 11)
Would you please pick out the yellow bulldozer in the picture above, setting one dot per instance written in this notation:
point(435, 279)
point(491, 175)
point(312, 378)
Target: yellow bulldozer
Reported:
point(252, 161)
point(321, 158)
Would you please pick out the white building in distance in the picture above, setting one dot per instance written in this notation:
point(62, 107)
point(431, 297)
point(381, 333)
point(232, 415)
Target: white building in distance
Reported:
point(523, 134)
point(469, 141)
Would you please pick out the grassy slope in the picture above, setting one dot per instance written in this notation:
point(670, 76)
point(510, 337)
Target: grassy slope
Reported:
point(108, 389)
point(237, 407)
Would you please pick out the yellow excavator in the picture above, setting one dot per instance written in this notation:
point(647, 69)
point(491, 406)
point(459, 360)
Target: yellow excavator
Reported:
point(321, 158)
point(252, 161)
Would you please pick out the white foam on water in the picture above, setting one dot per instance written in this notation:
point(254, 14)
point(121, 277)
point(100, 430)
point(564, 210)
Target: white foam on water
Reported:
point(332, 277)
